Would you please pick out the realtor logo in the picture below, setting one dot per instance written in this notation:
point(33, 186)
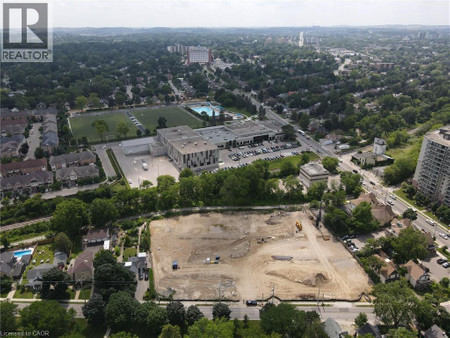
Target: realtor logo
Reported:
point(26, 36)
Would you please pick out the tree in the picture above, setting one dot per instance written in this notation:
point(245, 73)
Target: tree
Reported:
point(120, 311)
point(39, 153)
point(162, 122)
point(205, 328)
point(170, 331)
point(93, 100)
point(123, 334)
point(104, 257)
point(443, 212)
point(261, 113)
point(316, 191)
point(352, 183)
point(156, 319)
point(304, 122)
point(401, 332)
point(62, 243)
point(287, 168)
point(336, 220)
point(395, 303)
point(186, 172)
point(8, 313)
point(5, 284)
point(70, 216)
point(362, 220)
point(101, 127)
point(410, 244)
point(410, 213)
point(176, 314)
point(120, 98)
point(221, 310)
point(54, 284)
point(81, 102)
point(111, 278)
point(193, 314)
point(94, 310)
point(47, 316)
point(360, 320)
point(289, 132)
point(122, 128)
point(103, 212)
point(330, 164)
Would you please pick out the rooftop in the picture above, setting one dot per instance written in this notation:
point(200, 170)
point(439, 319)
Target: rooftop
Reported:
point(137, 142)
point(217, 134)
point(247, 128)
point(193, 145)
point(177, 133)
point(314, 169)
point(441, 136)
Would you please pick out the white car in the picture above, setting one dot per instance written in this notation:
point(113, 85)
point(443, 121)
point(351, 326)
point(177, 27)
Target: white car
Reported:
point(130, 181)
point(430, 222)
point(390, 202)
point(393, 197)
point(444, 236)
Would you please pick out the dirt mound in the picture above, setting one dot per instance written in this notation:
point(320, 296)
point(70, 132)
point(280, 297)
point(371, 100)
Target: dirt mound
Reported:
point(275, 218)
point(311, 279)
point(315, 279)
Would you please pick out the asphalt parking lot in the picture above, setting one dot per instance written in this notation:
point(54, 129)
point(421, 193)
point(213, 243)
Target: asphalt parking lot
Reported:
point(132, 167)
point(266, 150)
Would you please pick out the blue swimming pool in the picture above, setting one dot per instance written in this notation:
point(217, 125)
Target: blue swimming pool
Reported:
point(23, 253)
point(207, 110)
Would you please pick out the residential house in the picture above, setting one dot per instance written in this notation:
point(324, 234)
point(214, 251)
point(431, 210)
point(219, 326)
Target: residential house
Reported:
point(10, 146)
point(398, 225)
point(95, 237)
point(26, 183)
point(417, 276)
point(72, 174)
point(383, 214)
point(332, 329)
point(368, 328)
point(388, 272)
point(35, 275)
point(49, 132)
point(41, 111)
point(83, 267)
point(59, 259)
point(13, 126)
point(137, 263)
point(23, 167)
point(435, 332)
point(371, 159)
point(13, 114)
point(72, 160)
point(11, 265)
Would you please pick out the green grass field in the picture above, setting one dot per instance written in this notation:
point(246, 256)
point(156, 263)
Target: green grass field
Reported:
point(82, 126)
point(295, 160)
point(175, 116)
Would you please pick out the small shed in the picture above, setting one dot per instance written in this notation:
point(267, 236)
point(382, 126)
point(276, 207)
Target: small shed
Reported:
point(174, 265)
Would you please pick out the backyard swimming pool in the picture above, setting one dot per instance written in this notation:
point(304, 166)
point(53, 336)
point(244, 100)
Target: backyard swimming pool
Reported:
point(21, 253)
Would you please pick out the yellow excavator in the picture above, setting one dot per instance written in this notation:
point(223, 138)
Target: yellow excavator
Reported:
point(298, 225)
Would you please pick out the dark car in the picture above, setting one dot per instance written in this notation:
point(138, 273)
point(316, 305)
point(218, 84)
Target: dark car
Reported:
point(372, 182)
point(351, 236)
point(345, 237)
point(355, 171)
point(141, 276)
point(146, 276)
point(251, 303)
point(441, 260)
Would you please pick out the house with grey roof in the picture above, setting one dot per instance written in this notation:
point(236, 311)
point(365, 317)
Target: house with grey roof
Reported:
point(83, 267)
point(59, 259)
point(368, 328)
point(435, 332)
point(136, 263)
point(332, 329)
point(50, 138)
point(26, 183)
point(35, 275)
point(72, 174)
point(72, 160)
point(11, 266)
point(10, 146)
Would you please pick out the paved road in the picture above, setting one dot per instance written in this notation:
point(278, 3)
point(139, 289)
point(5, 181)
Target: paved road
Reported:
point(33, 141)
point(339, 311)
point(22, 224)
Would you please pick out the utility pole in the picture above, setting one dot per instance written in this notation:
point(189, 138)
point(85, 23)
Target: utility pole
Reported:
point(273, 292)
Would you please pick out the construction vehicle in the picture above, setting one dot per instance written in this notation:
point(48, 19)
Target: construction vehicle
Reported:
point(298, 225)
point(326, 237)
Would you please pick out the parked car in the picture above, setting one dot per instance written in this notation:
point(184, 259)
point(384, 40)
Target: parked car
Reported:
point(372, 182)
point(444, 236)
point(141, 276)
point(390, 202)
point(146, 276)
point(442, 260)
point(345, 237)
point(251, 303)
point(393, 197)
point(355, 171)
point(430, 222)
point(446, 265)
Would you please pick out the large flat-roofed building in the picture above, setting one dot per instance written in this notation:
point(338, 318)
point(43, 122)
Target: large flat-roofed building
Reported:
point(432, 176)
point(188, 149)
point(199, 55)
point(311, 173)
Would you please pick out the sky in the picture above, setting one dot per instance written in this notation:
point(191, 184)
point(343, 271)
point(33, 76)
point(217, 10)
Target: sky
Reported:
point(247, 13)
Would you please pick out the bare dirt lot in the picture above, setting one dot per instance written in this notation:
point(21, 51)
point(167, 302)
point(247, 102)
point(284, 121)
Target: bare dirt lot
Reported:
point(247, 268)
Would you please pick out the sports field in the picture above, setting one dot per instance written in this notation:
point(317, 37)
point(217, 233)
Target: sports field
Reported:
point(175, 116)
point(82, 126)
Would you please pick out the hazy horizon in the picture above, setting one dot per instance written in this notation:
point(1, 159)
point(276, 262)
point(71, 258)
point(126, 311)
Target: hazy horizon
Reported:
point(247, 13)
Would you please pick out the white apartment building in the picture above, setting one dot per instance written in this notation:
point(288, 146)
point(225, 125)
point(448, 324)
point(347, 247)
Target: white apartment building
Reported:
point(199, 55)
point(379, 146)
point(432, 176)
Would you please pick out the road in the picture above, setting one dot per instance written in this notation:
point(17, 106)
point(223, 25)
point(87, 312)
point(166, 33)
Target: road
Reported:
point(23, 224)
point(33, 140)
point(340, 311)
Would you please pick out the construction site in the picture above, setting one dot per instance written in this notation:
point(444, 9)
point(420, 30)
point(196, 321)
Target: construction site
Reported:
point(249, 256)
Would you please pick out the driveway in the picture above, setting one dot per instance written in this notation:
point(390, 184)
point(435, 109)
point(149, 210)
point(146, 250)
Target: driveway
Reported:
point(33, 140)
